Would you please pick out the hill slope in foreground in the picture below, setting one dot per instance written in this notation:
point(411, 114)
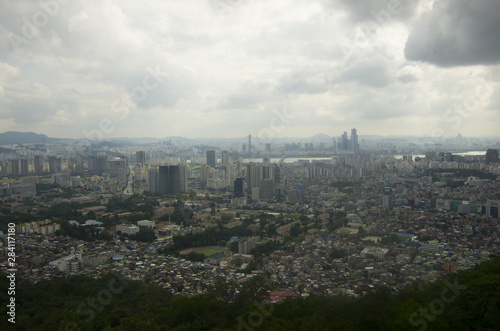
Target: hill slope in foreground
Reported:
point(467, 300)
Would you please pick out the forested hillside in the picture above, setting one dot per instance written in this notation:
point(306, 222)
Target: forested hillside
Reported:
point(468, 300)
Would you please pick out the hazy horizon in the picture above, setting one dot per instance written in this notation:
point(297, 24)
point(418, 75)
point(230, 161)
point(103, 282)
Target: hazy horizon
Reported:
point(245, 137)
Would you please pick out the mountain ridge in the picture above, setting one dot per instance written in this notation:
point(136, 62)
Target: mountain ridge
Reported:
point(16, 137)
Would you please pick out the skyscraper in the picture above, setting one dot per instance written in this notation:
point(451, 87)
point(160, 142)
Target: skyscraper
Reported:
point(211, 159)
point(38, 164)
point(249, 145)
point(169, 177)
point(140, 157)
point(266, 191)
point(353, 144)
point(55, 164)
point(153, 180)
point(173, 179)
point(23, 170)
point(118, 169)
point(97, 164)
point(14, 167)
point(491, 156)
point(183, 178)
point(239, 185)
point(253, 176)
point(344, 142)
point(225, 158)
point(387, 198)
point(276, 175)
point(76, 164)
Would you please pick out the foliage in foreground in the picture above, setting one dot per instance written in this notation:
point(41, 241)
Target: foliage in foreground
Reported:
point(468, 300)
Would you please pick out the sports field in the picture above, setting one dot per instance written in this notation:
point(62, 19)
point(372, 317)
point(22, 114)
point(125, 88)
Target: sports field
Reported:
point(207, 250)
point(211, 250)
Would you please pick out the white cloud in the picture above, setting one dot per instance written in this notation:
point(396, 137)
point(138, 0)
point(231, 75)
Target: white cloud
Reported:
point(224, 65)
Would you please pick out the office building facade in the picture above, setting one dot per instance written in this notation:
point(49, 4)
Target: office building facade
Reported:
point(173, 179)
point(97, 164)
point(211, 160)
point(140, 157)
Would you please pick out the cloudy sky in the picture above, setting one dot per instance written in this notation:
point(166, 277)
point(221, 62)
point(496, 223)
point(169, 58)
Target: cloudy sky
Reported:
point(229, 68)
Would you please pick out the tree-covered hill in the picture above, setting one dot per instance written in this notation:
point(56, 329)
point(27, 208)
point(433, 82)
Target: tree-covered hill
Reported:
point(468, 300)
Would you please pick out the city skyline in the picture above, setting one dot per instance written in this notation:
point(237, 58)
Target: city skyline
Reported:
point(232, 68)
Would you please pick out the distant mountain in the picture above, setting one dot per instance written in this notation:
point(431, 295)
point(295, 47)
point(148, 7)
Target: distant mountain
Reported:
point(14, 137)
point(179, 140)
point(109, 144)
point(131, 141)
point(321, 137)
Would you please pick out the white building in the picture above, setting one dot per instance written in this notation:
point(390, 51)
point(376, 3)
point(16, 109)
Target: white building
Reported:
point(374, 252)
point(129, 229)
point(146, 223)
point(66, 264)
point(70, 263)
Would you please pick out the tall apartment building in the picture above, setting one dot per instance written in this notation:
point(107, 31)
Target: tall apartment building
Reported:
point(14, 167)
point(97, 164)
point(258, 172)
point(140, 157)
point(118, 169)
point(173, 179)
point(249, 145)
point(266, 191)
point(23, 167)
point(387, 198)
point(153, 180)
point(225, 158)
point(245, 246)
point(55, 164)
point(491, 156)
point(38, 164)
point(353, 143)
point(75, 164)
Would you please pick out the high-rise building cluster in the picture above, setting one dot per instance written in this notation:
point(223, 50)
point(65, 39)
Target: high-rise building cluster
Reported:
point(168, 179)
point(345, 145)
point(262, 180)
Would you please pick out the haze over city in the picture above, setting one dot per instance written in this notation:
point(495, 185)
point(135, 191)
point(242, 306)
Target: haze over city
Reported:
point(241, 165)
point(225, 68)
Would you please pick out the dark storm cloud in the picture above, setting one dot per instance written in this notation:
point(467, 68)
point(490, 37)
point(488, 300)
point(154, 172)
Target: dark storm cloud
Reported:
point(457, 33)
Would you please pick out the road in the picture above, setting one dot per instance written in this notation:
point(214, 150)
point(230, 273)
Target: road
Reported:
point(130, 187)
